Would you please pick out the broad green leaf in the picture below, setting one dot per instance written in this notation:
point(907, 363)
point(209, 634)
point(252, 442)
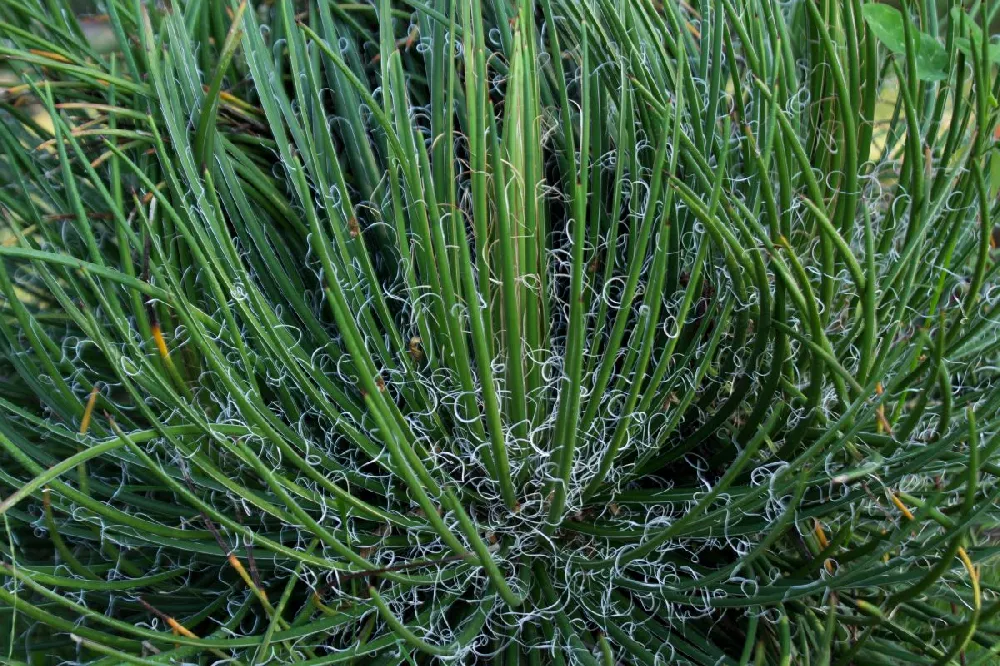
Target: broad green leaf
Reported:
point(974, 32)
point(964, 46)
point(887, 24)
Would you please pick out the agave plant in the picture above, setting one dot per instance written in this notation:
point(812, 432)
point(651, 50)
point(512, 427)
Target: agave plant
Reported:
point(518, 332)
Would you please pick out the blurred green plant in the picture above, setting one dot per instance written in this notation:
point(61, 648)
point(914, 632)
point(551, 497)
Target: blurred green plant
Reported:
point(535, 332)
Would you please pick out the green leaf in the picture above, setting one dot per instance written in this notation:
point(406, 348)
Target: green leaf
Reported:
point(995, 174)
point(887, 24)
point(965, 47)
point(205, 135)
point(964, 43)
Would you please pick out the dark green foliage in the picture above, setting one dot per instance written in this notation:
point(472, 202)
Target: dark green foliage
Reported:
point(549, 331)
